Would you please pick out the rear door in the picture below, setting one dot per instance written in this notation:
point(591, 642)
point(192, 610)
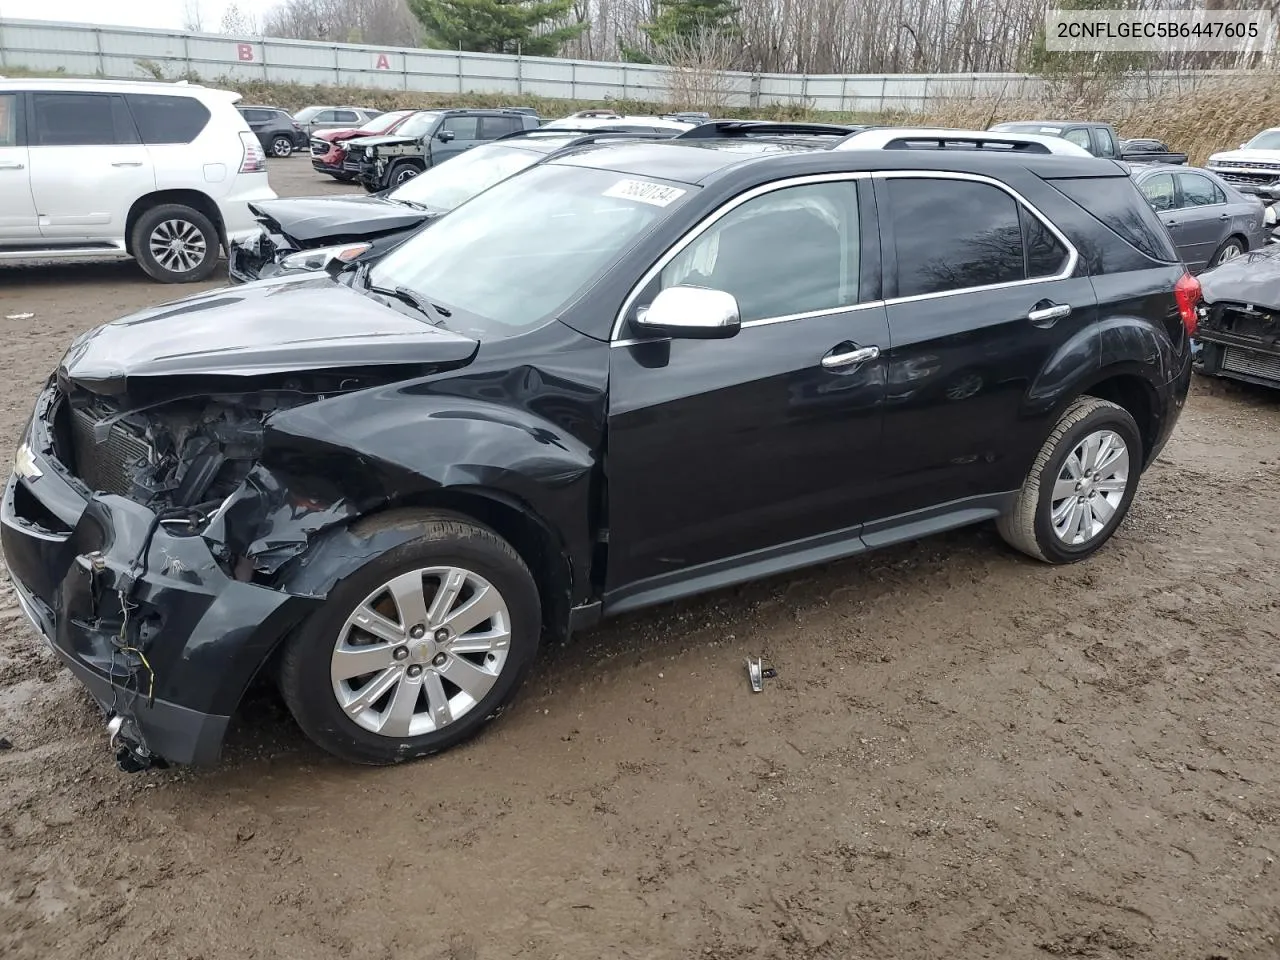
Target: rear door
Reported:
point(18, 223)
point(1202, 217)
point(738, 451)
point(493, 127)
point(980, 296)
point(88, 164)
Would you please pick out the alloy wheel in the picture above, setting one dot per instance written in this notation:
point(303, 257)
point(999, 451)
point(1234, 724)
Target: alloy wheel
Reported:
point(1229, 252)
point(421, 651)
point(178, 245)
point(1090, 487)
point(282, 147)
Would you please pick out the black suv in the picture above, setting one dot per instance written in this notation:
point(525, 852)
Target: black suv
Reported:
point(426, 139)
point(278, 132)
point(626, 375)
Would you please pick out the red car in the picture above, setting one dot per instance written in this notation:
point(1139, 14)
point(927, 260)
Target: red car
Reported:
point(327, 150)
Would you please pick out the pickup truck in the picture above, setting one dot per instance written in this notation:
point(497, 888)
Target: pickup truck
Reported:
point(1100, 139)
point(1254, 168)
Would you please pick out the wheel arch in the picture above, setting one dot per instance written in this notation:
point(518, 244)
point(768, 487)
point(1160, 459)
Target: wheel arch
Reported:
point(191, 198)
point(1136, 395)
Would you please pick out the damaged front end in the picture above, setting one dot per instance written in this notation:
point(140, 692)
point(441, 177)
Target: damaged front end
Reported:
point(1239, 321)
point(152, 516)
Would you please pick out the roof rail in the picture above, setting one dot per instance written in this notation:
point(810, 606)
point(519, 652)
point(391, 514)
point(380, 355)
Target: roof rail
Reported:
point(931, 138)
point(716, 129)
point(590, 135)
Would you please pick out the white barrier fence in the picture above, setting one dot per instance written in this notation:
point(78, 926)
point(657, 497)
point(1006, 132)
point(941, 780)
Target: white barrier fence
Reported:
point(127, 52)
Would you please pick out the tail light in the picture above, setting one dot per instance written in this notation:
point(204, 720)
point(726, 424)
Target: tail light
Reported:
point(1187, 292)
point(255, 161)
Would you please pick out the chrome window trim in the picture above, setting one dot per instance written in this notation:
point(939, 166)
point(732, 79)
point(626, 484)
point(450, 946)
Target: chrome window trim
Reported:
point(705, 224)
point(1073, 256)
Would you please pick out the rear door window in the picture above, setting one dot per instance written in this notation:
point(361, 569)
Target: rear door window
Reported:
point(162, 118)
point(491, 128)
point(81, 120)
point(953, 235)
point(1198, 191)
point(346, 116)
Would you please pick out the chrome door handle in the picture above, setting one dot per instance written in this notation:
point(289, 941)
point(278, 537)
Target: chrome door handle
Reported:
point(861, 355)
point(127, 163)
point(1049, 314)
point(12, 165)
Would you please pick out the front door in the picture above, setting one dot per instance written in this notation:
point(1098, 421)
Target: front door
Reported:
point(18, 222)
point(1202, 218)
point(453, 136)
point(87, 164)
point(984, 298)
point(728, 453)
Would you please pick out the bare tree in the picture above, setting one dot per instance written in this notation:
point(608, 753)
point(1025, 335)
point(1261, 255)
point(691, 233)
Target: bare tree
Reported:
point(192, 16)
point(344, 21)
point(698, 78)
point(238, 22)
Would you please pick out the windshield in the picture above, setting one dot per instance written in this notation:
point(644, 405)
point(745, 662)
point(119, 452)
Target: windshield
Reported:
point(445, 186)
point(385, 122)
point(1267, 140)
point(513, 257)
point(417, 125)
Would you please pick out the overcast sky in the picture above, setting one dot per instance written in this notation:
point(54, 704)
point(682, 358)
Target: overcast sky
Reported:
point(134, 13)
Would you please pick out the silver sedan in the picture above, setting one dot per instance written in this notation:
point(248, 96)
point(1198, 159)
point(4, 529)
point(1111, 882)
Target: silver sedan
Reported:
point(1209, 220)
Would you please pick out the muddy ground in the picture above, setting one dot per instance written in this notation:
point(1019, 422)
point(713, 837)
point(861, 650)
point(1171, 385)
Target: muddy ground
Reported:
point(965, 755)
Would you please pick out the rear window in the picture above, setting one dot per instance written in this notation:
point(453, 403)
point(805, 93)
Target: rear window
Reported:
point(162, 118)
point(1116, 203)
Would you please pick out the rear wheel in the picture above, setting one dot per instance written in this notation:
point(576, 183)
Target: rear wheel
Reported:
point(175, 244)
point(1231, 249)
point(418, 649)
point(1080, 486)
point(282, 147)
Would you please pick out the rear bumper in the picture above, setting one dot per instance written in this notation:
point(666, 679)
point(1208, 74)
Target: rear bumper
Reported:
point(145, 617)
point(237, 219)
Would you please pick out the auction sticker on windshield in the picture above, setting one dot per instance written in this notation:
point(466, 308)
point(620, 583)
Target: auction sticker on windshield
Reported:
point(644, 191)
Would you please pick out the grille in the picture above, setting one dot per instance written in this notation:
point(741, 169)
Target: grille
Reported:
point(1247, 164)
point(106, 466)
point(1254, 178)
point(1254, 364)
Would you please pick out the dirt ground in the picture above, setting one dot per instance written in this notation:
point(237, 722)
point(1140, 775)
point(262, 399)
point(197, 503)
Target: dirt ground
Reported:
point(965, 754)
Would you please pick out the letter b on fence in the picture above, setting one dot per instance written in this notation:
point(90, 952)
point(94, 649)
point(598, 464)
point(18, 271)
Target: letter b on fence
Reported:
point(244, 51)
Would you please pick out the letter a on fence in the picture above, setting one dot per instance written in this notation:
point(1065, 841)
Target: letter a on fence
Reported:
point(384, 62)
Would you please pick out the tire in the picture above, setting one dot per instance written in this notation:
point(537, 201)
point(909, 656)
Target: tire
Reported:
point(158, 228)
point(1030, 525)
point(282, 147)
point(402, 172)
point(314, 674)
point(1231, 248)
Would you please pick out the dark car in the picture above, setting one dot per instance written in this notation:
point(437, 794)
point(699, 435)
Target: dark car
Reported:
point(301, 234)
point(279, 134)
point(329, 147)
point(426, 139)
point(1239, 331)
point(1146, 150)
point(633, 373)
point(1100, 139)
point(1210, 220)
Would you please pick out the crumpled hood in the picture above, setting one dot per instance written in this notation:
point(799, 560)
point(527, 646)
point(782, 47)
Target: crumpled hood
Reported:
point(275, 326)
point(1246, 156)
point(359, 143)
point(315, 218)
point(1253, 278)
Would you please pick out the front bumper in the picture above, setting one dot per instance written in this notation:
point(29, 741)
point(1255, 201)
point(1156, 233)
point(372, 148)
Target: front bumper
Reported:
point(256, 257)
point(144, 616)
point(1239, 358)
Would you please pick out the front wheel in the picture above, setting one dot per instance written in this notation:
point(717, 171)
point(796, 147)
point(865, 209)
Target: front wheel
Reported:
point(419, 648)
point(1080, 486)
point(403, 173)
point(282, 147)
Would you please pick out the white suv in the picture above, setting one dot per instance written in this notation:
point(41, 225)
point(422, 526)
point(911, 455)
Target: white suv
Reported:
point(162, 172)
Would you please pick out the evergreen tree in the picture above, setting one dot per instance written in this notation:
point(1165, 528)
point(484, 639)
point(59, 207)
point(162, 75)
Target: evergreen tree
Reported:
point(683, 20)
point(497, 26)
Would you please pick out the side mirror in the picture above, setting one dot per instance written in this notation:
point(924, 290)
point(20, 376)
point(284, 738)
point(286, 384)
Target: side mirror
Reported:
point(444, 136)
point(695, 313)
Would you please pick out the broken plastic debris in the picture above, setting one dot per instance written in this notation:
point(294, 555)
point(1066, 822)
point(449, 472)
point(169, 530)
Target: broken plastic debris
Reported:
point(19, 316)
point(758, 673)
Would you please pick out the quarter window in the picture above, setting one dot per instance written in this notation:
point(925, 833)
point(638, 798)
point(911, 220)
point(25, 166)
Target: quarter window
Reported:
point(791, 251)
point(954, 234)
point(1198, 191)
point(166, 119)
point(1046, 256)
point(81, 119)
point(1158, 190)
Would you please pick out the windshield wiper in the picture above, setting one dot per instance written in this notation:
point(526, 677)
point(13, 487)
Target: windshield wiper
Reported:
point(411, 203)
point(434, 313)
